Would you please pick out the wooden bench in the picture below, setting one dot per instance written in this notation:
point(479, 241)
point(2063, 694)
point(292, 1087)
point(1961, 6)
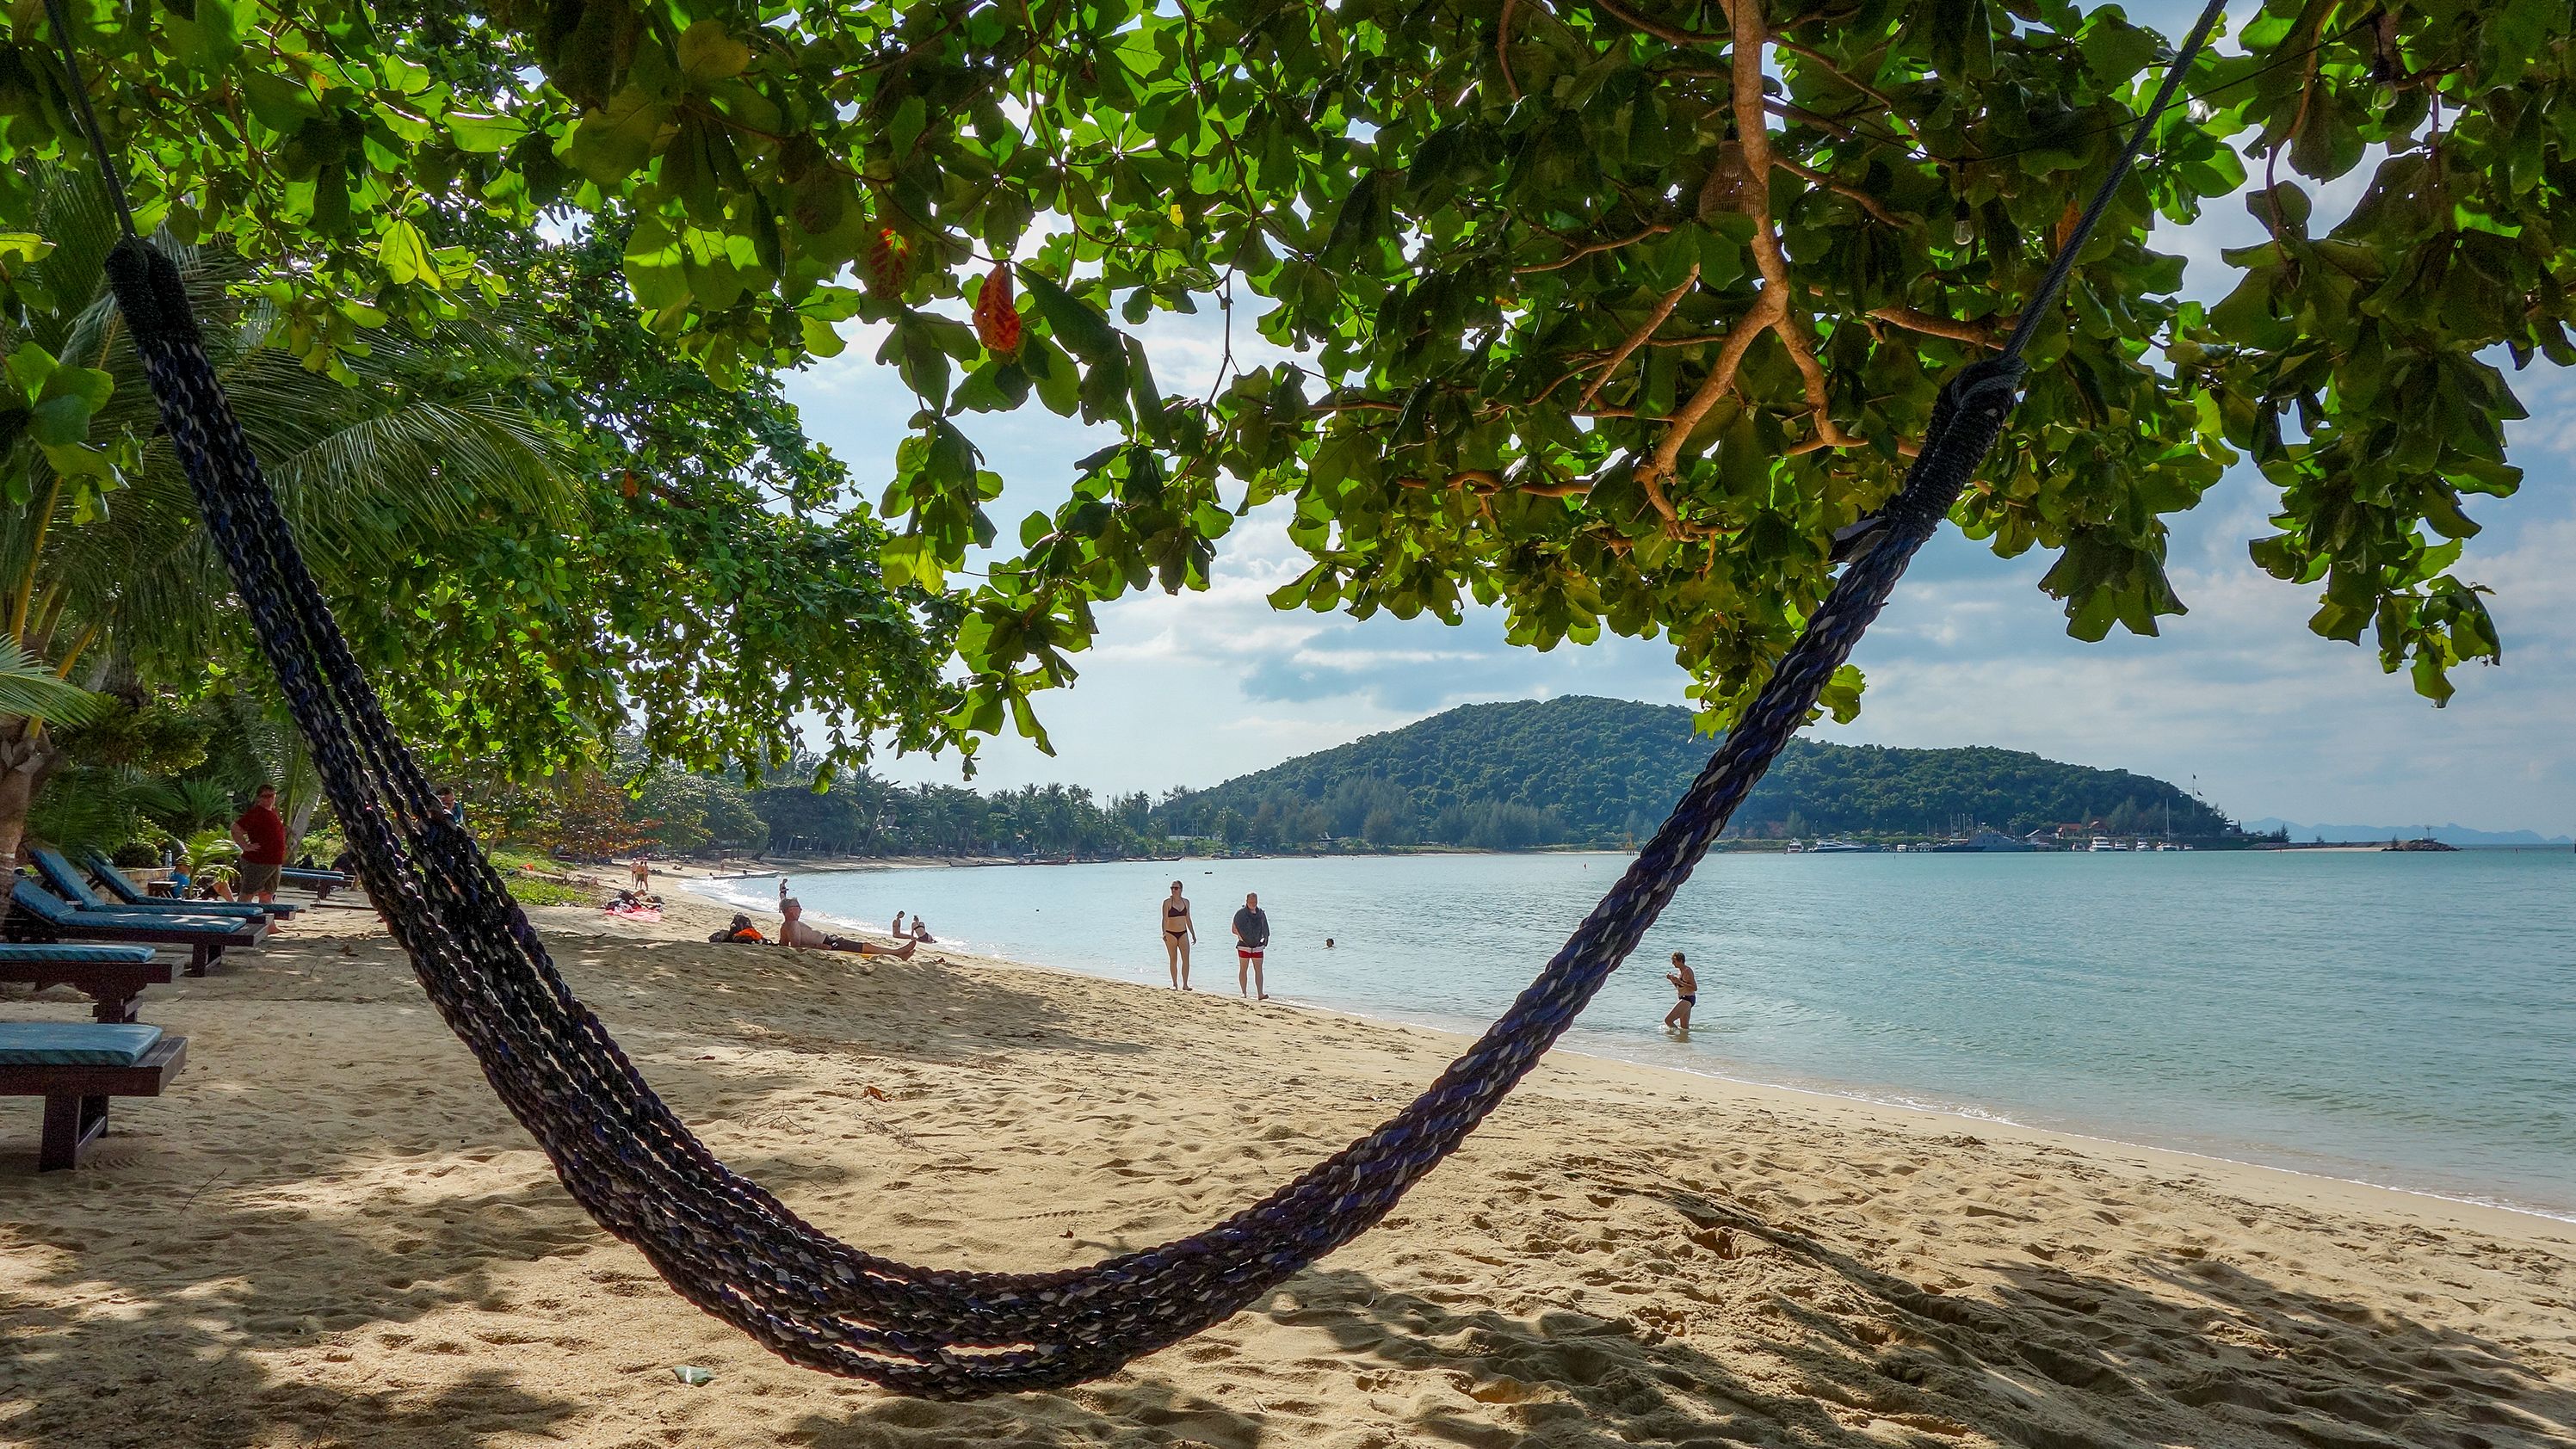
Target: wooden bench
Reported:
point(111, 976)
point(76, 1067)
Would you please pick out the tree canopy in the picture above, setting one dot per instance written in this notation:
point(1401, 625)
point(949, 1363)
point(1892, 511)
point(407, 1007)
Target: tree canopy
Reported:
point(1608, 311)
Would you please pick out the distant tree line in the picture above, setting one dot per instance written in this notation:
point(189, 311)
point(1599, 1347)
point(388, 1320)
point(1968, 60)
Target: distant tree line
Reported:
point(1520, 776)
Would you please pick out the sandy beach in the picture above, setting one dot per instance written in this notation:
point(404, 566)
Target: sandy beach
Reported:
point(330, 1233)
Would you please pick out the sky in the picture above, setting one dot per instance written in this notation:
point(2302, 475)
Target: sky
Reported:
point(2236, 698)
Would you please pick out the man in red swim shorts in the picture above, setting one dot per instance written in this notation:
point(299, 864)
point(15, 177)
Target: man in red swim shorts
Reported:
point(1251, 936)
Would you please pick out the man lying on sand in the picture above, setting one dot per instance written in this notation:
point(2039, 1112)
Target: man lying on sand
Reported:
point(794, 932)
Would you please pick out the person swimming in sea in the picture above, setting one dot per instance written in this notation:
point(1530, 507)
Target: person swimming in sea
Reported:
point(1178, 933)
point(1685, 986)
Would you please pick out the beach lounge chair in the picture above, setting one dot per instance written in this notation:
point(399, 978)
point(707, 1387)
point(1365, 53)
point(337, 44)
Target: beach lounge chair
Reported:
point(76, 1067)
point(320, 882)
point(68, 882)
point(39, 915)
point(111, 976)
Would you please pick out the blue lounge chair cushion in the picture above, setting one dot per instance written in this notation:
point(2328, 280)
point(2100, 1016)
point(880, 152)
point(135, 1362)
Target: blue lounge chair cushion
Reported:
point(66, 881)
point(75, 955)
point(69, 883)
point(51, 909)
point(73, 1044)
point(116, 880)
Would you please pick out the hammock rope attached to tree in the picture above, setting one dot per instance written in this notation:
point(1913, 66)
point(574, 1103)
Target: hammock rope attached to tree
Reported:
point(723, 1242)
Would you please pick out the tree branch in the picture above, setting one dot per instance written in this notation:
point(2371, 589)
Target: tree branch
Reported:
point(1638, 338)
point(1503, 47)
point(1720, 380)
point(1486, 480)
point(1579, 253)
point(1656, 28)
point(1771, 311)
point(1753, 133)
point(1825, 63)
point(1867, 202)
point(1980, 333)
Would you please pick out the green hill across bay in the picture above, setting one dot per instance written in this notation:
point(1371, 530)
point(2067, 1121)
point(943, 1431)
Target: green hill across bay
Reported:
point(1582, 770)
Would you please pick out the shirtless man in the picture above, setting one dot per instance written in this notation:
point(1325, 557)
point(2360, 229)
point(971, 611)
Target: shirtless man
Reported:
point(1686, 987)
point(1178, 933)
point(794, 932)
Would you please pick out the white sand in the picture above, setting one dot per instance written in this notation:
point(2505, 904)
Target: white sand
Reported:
point(332, 1234)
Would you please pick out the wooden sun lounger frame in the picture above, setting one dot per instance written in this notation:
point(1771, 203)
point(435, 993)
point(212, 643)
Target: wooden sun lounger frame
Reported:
point(76, 1097)
point(111, 986)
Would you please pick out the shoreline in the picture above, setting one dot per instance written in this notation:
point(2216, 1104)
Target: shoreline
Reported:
point(1842, 1095)
point(331, 1231)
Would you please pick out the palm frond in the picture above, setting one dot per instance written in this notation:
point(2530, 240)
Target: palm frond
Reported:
point(426, 441)
point(186, 807)
point(93, 808)
point(29, 689)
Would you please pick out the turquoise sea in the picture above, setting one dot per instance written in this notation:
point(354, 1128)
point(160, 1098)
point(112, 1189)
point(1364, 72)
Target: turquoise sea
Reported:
point(2404, 1020)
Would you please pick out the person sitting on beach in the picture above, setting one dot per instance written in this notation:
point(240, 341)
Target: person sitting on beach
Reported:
point(920, 929)
point(898, 931)
point(741, 931)
point(794, 932)
point(1178, 933)
point(1686, 986)
point(1251, 938)
point(215, 887)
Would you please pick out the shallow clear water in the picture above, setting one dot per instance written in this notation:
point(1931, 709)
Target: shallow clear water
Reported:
point(2408, 1020)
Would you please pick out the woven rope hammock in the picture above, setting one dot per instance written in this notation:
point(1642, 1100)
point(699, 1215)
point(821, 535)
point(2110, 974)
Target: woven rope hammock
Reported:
point(727, 1245)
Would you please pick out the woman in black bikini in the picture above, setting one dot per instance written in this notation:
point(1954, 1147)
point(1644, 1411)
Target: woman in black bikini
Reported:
point(1686, 986)
point(1178, 933)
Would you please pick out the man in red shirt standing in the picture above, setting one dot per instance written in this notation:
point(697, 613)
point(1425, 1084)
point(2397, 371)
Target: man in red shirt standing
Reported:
point(262, 838)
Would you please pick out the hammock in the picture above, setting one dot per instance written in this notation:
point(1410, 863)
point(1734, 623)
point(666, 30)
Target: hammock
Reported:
point(720, 1240)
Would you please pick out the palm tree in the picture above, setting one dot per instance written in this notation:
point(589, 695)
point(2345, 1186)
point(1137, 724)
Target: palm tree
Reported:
point(401, 442)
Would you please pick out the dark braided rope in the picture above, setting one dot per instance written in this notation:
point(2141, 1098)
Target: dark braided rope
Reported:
point(731, 1247)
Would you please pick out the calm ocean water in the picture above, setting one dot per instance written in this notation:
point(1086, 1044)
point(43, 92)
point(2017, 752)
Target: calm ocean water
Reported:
point(2406, 1020)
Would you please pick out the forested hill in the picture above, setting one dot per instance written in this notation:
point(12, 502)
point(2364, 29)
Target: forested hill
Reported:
point(1600, 771)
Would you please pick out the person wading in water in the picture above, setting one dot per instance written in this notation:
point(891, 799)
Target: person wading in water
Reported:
point(1686, 987)
point(1178, 933)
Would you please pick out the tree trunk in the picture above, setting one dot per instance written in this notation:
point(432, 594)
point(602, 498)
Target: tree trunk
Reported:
point(299, 821)
point(22, 768)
